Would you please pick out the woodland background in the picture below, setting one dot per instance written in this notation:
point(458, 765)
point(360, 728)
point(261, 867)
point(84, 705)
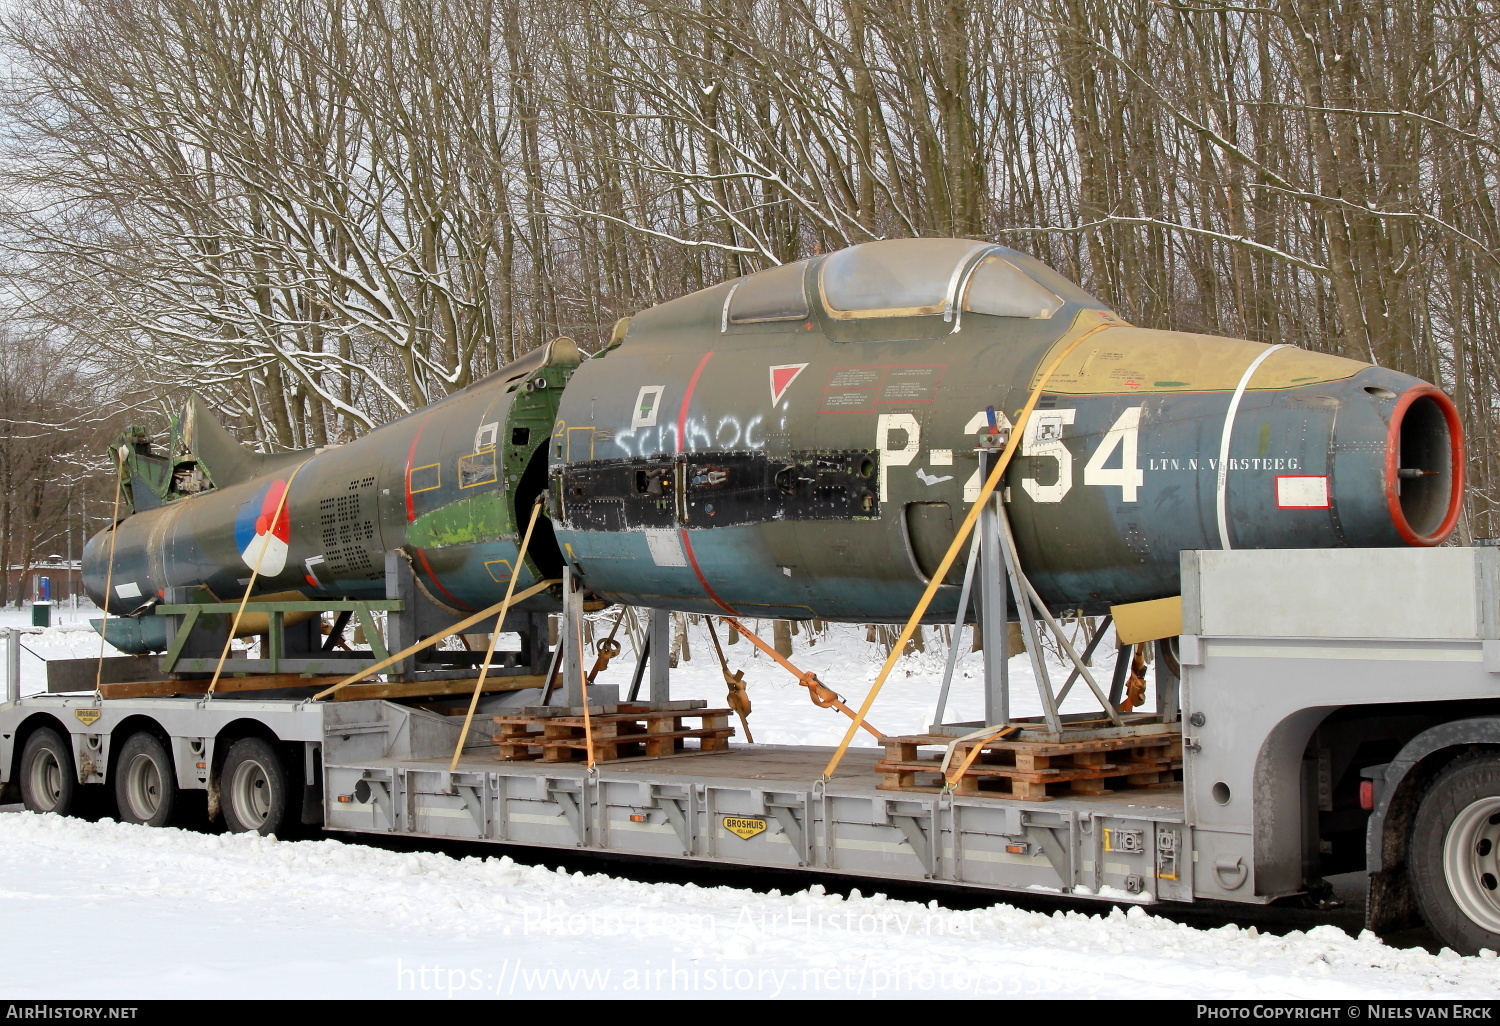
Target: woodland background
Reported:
point(322, 213)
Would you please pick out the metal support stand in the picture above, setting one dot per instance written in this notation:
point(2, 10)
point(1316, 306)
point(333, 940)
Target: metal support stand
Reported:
point(401, 627)
point(569, 635)
point(1003, 582)
point(958, 629)
point(12, 664)
point(536, 657)
point(1088, 654)
point(1000, 530)
point(1026, 596)
point(659, 630)
point(1168, 681)
point(641, 661)
point(994, 618)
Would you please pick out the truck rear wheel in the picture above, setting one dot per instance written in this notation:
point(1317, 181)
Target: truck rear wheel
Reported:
point(253, 788)
point(48, 781)
point(1454, 855)
point(145, 783)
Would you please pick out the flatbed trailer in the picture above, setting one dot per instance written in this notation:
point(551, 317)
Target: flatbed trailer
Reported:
point(1340, 712)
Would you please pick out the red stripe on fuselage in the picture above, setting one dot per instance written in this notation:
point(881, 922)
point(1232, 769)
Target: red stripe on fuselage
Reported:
point(687, 397)
point(687, 548)
point(434, 579)
point(411, 455)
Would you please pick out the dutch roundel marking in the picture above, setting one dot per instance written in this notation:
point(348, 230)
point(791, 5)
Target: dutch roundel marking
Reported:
point(262, 544)
point(782, 376)
point(1301, 491)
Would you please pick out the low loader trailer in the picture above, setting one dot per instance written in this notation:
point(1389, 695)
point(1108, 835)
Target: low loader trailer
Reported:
point(1318, 712)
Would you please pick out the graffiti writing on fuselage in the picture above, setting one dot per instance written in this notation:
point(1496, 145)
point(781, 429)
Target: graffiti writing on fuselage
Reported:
point(699, 434)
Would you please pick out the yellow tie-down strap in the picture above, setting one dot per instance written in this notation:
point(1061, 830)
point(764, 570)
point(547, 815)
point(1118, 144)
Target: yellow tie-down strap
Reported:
point(934, 582)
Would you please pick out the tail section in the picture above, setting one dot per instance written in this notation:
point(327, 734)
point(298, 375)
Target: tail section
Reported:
point(201, 456)
point(199, 436)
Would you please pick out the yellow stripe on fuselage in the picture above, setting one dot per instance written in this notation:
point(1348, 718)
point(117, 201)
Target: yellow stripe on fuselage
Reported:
point(1142, 360)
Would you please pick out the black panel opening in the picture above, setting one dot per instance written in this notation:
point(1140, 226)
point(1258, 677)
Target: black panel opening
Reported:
point(544, 552)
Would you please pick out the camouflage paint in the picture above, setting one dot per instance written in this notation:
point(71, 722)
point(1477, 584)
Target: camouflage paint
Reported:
point(813, 460)
point(913, 390)
point(441, 485)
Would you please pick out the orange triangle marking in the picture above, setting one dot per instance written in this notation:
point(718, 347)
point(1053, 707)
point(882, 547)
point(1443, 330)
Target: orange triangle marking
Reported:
point(782, 377)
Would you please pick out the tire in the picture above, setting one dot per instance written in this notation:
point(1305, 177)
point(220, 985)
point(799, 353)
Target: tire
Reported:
point(1454, 854)
point(254, 789)
point(145, 783)
point(49, 782)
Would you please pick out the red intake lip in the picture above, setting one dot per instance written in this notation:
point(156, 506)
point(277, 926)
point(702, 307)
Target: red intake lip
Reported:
point(1446, 465)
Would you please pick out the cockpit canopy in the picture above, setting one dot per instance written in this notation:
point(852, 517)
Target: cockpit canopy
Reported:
point(896, 278)
point(772, 295)
point(927, 277)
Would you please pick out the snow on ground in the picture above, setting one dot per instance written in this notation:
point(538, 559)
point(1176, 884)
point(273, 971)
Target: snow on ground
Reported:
point(69, 637)
point(848, 664)
point(177, 914)
point(783, 714)
point(173, 913)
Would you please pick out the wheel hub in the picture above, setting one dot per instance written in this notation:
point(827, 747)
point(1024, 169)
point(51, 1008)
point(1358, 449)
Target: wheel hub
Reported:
point(1471, 862)
point(251, 789)
point(46, 779)
point(143, 786)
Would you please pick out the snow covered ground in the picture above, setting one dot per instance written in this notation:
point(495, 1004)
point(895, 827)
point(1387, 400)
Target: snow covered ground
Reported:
point(69, 637)
point(105, 910)
point(843, 660)
point(175, 914)
point(848, 663)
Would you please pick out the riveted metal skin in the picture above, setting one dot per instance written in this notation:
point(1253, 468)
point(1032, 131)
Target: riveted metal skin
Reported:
point(450, 486)
point(1119, 469)
point(802, 443)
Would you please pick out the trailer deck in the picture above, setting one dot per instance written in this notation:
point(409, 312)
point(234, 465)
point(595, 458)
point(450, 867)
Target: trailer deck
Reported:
point(386, 770)
point(1314, 720)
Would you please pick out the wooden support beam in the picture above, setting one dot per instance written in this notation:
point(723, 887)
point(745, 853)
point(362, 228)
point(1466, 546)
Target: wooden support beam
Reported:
point(269, 682)
point(161, 688)
point(420, 689)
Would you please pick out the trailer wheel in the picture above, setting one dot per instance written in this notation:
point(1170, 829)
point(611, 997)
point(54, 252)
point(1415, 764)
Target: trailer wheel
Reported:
point(253, 788)
point(48, 781)
point(1454, 854)
point(145, 783)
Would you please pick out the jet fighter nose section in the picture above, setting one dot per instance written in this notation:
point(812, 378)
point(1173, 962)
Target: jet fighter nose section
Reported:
point(1424, 465)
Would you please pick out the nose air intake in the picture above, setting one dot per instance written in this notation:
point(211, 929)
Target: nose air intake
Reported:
point(1424, 466)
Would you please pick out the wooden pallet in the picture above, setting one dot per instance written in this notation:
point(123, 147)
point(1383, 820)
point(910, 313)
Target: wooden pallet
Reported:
point(1033, 770)
point(631, 731)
